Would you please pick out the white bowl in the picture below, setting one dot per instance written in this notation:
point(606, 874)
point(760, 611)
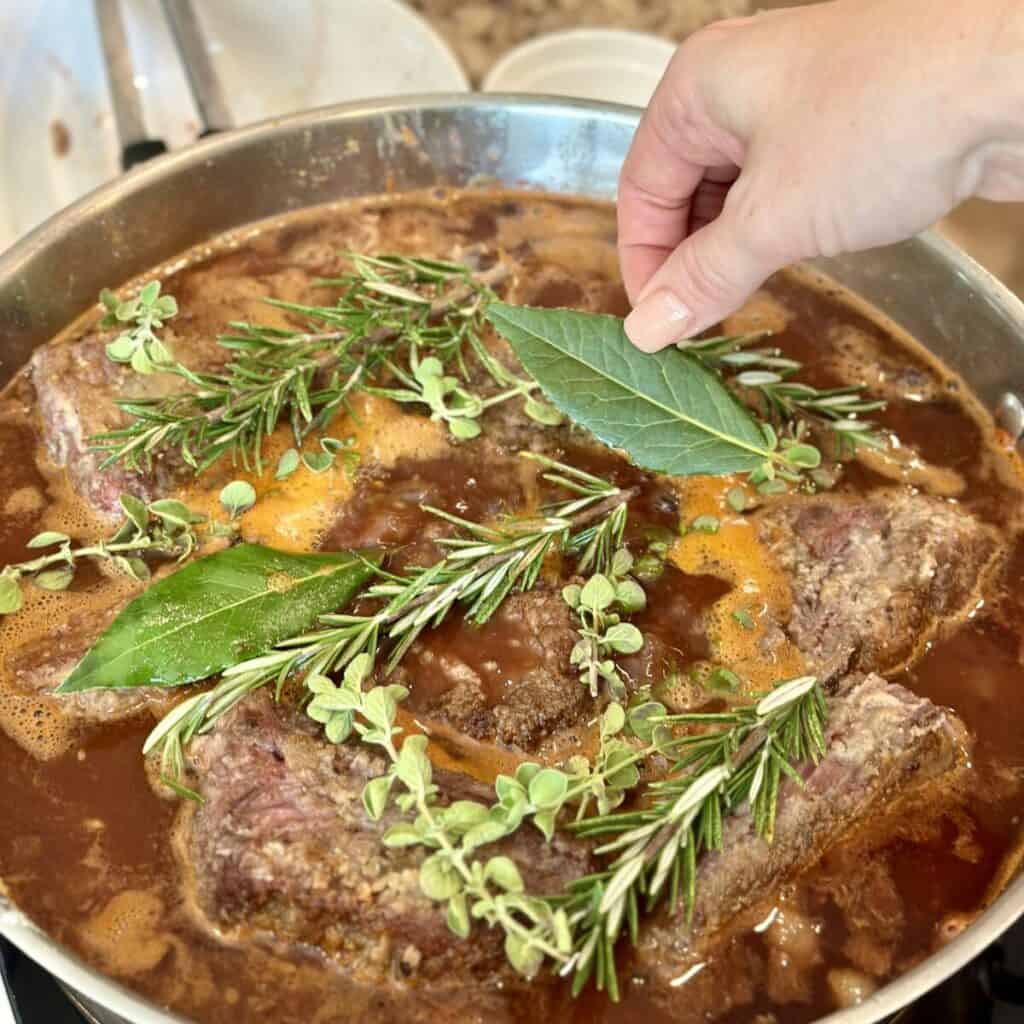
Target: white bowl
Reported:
point(272, 58)
point(596, 64)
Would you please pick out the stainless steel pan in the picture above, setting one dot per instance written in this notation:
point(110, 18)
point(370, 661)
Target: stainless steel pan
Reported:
point(933, 290)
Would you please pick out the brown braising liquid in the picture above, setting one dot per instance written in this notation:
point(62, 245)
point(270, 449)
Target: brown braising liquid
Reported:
point(85, 842)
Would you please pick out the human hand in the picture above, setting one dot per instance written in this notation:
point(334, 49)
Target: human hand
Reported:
point(812, 131)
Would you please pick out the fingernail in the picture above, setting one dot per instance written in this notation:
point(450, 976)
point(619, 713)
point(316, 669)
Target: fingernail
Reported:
point(659, 320)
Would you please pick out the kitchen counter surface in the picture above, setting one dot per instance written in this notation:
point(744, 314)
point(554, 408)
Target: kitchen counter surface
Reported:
point(482, 31)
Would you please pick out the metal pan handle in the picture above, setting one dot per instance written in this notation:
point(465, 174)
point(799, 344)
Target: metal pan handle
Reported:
point(214, 112)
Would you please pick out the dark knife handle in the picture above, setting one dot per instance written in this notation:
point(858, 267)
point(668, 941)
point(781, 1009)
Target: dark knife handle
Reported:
point(140, 152)
point(136, 146)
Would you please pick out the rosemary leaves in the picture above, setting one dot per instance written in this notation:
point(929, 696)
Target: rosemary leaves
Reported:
point(770, 377)
point(656, 848)
point(401, 327)
point(483, 565)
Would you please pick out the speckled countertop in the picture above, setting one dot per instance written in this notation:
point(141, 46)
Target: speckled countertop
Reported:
point(481, 31)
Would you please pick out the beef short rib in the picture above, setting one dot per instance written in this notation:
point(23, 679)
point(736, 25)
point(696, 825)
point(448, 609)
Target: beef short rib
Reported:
point(78, 386)
point(282, 851)
point(42, 663)
point(874, 579)
point(881, 742)
point(510, 681)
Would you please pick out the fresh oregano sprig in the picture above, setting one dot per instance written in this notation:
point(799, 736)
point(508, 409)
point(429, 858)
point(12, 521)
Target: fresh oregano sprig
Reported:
point(490, 889)
point(426, 383)
point(237, 498)
point(614, 771)
point(599, 604)
point(165, 527)
point(147, 313)
point(453, 402)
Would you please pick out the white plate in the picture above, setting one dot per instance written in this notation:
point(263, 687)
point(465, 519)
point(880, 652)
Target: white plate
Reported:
point(596, 64)
point(273, 58)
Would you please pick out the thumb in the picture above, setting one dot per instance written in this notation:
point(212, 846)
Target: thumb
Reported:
point(708, 276)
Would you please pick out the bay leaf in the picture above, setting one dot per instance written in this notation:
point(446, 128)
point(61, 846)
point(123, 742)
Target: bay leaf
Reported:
point(215, 612)
point(666, 411)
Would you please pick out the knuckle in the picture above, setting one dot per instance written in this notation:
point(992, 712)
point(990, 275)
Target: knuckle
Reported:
point(706, 274)
point(691, 110)
point(690, 68)
point(769, 235)
point(830, 232)
point(705, 41)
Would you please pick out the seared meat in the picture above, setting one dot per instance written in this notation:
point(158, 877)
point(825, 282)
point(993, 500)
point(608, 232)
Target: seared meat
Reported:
point(41, 664)
point(77, 386)
point(881, 740)
point(512, 681)
point(512, 431)
point(389, 505)
point(509, 681)
point(874, 579)
point(283, 850)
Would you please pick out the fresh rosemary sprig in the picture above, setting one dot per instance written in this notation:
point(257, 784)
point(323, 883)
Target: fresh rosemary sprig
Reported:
point(304, 377)
point(482, 567)
point(769, 374)
point(138, 344)
point(165, 527)
point(433, 350)
point(740, 763)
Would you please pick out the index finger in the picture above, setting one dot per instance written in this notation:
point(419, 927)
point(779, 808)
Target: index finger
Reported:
point(672, 151)
point(656, 186)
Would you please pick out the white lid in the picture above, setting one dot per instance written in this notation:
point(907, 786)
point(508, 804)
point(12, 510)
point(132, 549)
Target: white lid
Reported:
point(598, 64)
